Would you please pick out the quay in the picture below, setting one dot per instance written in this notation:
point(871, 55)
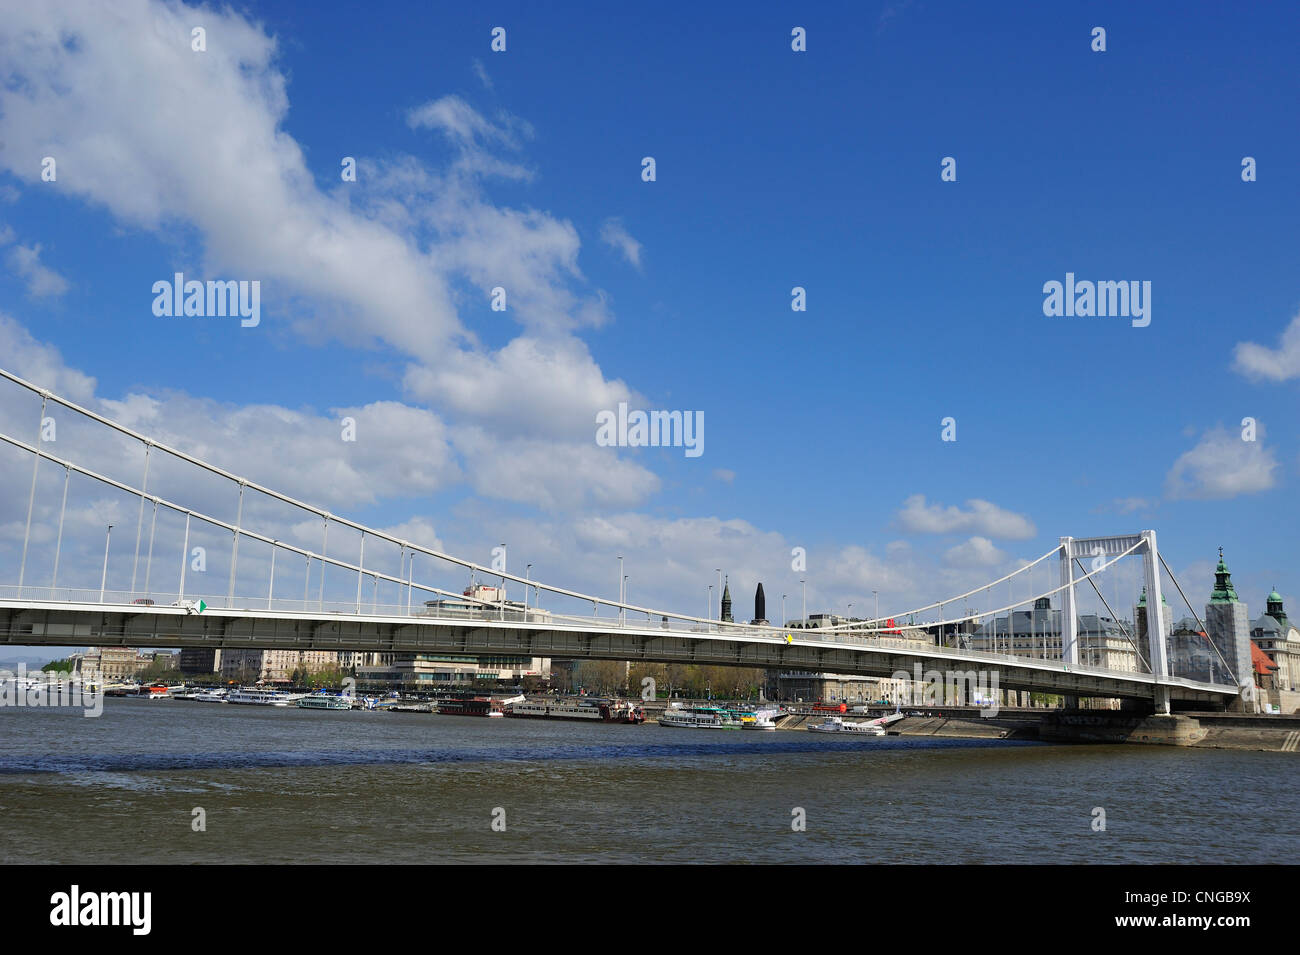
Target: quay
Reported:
point(1205, 730)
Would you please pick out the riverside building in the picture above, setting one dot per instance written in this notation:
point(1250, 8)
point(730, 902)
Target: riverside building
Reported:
point(810, 686)
point(421, 672)
point(1278, 639)
point(1037, 634)
point(274, 666)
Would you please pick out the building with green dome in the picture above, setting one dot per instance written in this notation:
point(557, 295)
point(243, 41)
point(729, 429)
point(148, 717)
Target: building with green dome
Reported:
point(1279, 639)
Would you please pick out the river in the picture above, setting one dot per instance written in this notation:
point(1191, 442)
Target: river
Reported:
point(288, 785)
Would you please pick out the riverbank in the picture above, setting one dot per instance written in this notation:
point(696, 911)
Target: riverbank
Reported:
point(1268, 734)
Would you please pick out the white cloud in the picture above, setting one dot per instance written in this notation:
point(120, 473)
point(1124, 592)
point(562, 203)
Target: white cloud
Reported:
point(399, 451)
point(1222, 465)
point(25, 262)
point(161, 135)
point(725, 475)
point(474, 135)
point(976, 552)
point(671, 563)
point(1126, 505)
point(1271, 364)
point(198, 141)
point(41, 364)
point(550, 474)
point(980, 517)
point(481, 72)
point(418, 531)
point(42, 282)
point(532, 386)
point(462, 123)
point(614, 234)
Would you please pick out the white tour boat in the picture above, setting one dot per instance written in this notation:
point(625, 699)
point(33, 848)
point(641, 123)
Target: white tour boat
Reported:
point(263, 697)
point(834, 724)
point(697, 717)
point(325, 701)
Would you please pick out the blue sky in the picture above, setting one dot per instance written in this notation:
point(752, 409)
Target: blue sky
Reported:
point(775, 169)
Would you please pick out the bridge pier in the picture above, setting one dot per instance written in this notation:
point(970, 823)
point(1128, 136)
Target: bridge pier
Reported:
point(1162, 701)
point(1101, 726)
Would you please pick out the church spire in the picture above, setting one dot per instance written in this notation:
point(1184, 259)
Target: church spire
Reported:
point(1223, 592)
point(726, 601)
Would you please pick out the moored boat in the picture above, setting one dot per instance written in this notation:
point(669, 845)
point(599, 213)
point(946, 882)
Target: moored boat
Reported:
point(255, 697)
point(325, 701)
point(471, 706)
point(834, 724)
point(698, 717)
point(586, 710)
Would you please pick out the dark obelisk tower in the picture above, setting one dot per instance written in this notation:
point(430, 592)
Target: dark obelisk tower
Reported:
point(726, 602)
point(760, 605)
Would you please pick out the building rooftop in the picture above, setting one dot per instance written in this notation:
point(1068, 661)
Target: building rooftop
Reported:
point(1262, 664)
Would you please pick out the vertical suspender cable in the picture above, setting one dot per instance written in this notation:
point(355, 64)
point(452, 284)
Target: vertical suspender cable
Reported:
point(234, 547)
point(185, 557)
point(361, 563)
point(148, 564)
point(324, 544)
point(139, 520)
point(54, 582)
point(31, 497)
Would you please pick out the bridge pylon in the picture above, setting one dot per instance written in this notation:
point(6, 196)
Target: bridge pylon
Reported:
point(1107, 548)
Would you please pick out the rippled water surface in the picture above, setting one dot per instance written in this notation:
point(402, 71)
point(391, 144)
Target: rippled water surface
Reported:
point(311, 786)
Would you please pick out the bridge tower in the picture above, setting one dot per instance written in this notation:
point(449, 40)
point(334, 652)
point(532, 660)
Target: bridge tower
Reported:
point(1102, 550)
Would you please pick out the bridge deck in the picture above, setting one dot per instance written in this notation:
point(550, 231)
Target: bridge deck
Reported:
point(60, 623)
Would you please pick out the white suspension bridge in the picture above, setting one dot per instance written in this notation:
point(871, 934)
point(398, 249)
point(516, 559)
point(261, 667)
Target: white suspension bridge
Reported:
point(163, 607)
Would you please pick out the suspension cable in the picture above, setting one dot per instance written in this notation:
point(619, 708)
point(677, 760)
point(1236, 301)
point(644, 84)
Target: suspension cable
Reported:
point(1115, 617)
point(948, 600)
point(1204, 632)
